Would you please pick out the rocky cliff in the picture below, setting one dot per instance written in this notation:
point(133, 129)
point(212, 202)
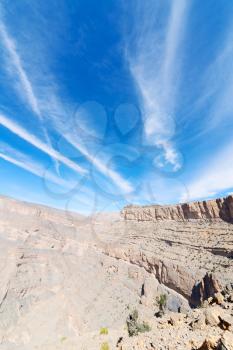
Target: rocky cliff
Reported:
point(221, 208)
point(65, 277)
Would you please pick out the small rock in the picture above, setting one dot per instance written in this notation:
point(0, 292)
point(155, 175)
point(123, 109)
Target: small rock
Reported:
point(199, 323)
point(227, 341)
point(208, 344)
point(159, 314)
point(230, 298)
point(140, 344)
point(175, 319)
point(144, 300)
point(218, 298)
point(225, 306)
point(226, 321)
point(205, 304)
point(119, 342)
point(211, 317)
point(229, 287)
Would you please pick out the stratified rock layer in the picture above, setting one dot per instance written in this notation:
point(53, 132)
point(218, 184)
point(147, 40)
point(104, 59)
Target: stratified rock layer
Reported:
point(64, 277)
point(221, 208)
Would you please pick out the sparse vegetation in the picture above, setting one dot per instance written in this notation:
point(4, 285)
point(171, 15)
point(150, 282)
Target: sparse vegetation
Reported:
point(134, 327)
point(143, 327)
point(63, 339)
point(162, 302)
point(105, 346)
point(103, 330)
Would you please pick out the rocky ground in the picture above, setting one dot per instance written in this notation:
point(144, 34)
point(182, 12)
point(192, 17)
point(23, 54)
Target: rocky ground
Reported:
point(65, 279)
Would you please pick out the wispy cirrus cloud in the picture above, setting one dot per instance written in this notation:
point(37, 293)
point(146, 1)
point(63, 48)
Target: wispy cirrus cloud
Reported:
point(217, 176)
point(22, 161)
point(101, 166)
point(15, 65)
point(155, 61)
point(218, 85)
point(83, 196)
point(36, 142)
point(21, 80)
point(60, 114)
point(45, 103)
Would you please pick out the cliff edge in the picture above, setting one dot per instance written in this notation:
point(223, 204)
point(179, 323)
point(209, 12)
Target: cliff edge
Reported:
point(221, 208)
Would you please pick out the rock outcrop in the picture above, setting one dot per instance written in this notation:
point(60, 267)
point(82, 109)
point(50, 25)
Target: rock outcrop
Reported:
point(221, 208)
point(207, 288)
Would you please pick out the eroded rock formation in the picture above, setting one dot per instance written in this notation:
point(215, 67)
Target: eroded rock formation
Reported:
point(221, 208)
point(207, 288)
point(64, 277)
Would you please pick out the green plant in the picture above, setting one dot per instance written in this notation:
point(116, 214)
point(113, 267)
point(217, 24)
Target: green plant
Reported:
point(134, 327)
point(63, 339)
point(104, 330)
point(105, 346)
point(143, 327)
point(162, 301)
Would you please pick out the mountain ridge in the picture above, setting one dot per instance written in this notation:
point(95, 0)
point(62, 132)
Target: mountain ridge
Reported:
point(220, 208)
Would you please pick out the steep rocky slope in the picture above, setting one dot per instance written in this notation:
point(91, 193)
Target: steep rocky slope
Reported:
point(65, 276)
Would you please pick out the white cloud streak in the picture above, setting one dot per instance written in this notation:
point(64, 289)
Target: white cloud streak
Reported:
point(155, 66)
point(173, 40)
point(16, 65)
point(59, 115)
point(102, 167)
point(218, 84)
point(15, 157)
point(41, 105)
point(216, 177)
point(33, 140)
point(25, 88)
point(23, 162)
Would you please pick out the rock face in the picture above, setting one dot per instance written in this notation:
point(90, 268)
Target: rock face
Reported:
point(64, 277)
point(206, 210)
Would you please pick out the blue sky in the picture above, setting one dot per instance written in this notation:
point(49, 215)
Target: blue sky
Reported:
point(108, 103)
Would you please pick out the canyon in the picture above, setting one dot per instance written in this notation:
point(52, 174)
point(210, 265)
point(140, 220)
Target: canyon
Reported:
point(65, 276)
